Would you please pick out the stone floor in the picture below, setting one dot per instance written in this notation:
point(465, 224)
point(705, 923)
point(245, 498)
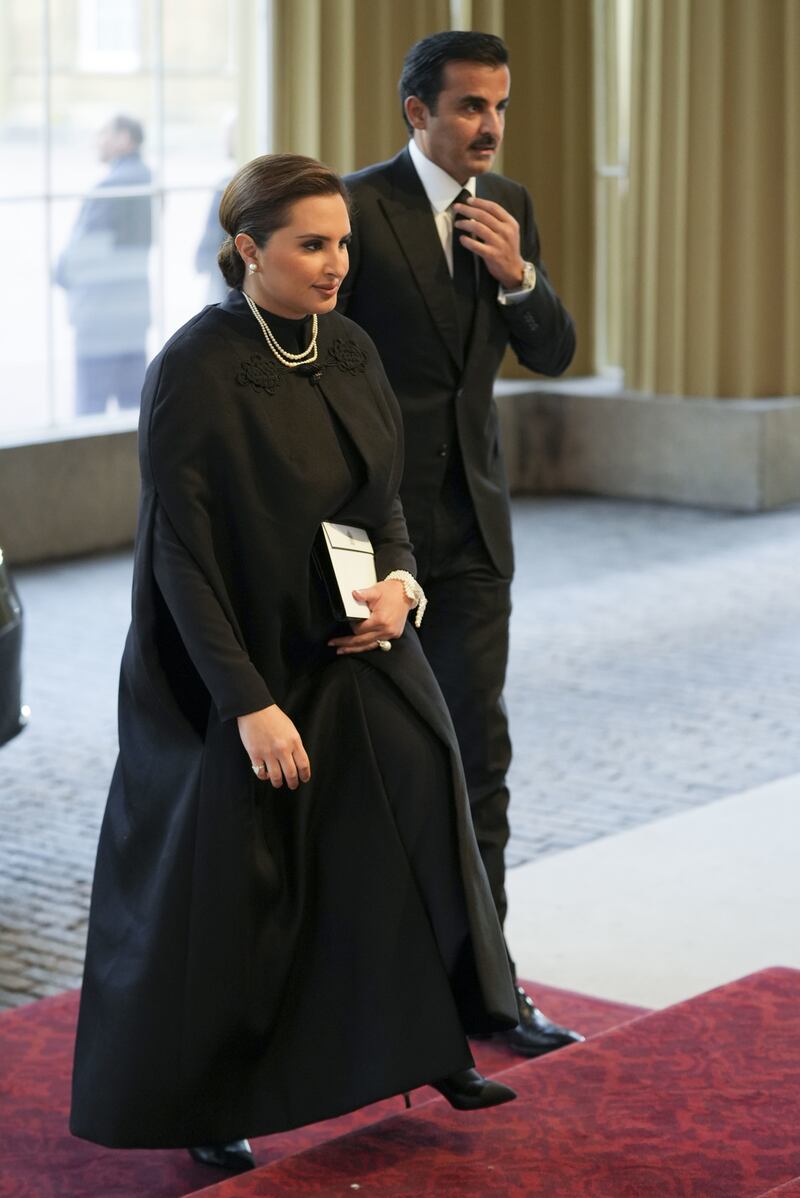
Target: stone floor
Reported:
point(658, 913)
point(655, 667)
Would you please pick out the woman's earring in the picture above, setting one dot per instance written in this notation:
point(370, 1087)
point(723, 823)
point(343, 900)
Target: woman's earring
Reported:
point(251, 266)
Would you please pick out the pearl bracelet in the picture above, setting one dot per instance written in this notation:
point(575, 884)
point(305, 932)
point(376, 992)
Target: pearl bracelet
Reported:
point(412, 590)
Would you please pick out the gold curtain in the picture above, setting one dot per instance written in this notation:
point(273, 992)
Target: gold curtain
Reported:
point(336, 66)
point(714, 251)
point(549, 142)
point(612, 91)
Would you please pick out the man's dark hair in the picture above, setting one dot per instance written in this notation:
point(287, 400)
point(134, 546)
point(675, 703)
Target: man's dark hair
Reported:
point(423, 68)
point(122, 123)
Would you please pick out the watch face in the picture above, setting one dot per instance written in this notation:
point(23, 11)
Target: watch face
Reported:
point(529, 275)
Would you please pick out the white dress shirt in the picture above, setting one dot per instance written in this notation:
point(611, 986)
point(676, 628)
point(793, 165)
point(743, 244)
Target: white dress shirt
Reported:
point(441, 190)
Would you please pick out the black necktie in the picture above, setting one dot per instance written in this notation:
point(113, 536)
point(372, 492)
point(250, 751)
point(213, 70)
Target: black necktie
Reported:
point(463, 275)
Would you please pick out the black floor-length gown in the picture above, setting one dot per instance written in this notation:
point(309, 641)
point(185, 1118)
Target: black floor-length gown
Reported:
point(261, 959)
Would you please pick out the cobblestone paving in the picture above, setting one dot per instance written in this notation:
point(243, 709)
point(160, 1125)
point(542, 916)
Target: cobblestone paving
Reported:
point(655, 667)
point(655, 664)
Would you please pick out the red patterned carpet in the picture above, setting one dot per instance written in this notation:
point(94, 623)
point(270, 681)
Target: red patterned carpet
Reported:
point(701, 1100)
point(39, 1159)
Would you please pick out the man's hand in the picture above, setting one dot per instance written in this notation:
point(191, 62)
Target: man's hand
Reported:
point(486, 229)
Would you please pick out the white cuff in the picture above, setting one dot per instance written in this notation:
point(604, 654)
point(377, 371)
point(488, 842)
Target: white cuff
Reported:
point(519, 293)
point(513, 297)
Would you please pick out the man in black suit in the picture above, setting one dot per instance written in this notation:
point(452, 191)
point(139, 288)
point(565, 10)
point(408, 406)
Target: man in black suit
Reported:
point(445, 273)
point(104, 270)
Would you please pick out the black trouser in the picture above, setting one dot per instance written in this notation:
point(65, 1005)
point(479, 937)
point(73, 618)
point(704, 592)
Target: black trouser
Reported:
point(465, 637)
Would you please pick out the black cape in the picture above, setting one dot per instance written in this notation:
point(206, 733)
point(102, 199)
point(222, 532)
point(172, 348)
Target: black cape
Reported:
point(231, 923)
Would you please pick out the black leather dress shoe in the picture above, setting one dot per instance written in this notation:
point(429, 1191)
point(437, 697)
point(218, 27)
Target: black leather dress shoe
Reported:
point(471, 1091)
point(236, 1157)
point(535, 1034)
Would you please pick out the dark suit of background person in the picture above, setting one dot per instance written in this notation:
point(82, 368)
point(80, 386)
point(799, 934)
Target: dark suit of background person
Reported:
point(454, 488)
point(104, 270)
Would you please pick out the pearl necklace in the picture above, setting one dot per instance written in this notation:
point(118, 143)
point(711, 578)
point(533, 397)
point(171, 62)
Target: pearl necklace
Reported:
point(290, 361)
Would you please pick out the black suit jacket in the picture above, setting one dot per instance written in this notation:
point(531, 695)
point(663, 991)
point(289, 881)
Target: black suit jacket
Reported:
point(399, 290)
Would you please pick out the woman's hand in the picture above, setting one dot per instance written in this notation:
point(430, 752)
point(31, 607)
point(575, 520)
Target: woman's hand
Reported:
point(272, 741)
point(388, 610)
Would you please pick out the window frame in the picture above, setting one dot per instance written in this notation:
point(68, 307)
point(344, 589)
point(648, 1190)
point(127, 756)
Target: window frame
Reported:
point(252, 21)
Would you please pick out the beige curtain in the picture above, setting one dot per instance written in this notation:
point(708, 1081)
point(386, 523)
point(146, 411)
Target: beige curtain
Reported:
point(549, 142)
point(714, 250)
point(336, 67)
point(611, 90)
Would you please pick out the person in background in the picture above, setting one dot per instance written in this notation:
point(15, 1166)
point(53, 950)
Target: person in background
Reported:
point(205, 259)
point(445, 274)
point(104, 271)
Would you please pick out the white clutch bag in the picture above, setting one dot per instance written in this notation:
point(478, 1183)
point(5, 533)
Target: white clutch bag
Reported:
point(347, 563)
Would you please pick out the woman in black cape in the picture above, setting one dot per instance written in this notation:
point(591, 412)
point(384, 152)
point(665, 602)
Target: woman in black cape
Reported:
point(289, 917)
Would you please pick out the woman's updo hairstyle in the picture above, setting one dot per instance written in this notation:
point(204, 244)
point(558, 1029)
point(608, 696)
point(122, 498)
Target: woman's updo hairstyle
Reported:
point(258, 198)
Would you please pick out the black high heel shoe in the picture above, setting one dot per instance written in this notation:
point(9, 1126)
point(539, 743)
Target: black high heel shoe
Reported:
point(471, 1091)
point(236, 1157)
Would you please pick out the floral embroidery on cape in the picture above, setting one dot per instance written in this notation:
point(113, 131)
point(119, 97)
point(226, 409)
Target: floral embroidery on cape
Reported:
point(347, 356)
point(260, 374)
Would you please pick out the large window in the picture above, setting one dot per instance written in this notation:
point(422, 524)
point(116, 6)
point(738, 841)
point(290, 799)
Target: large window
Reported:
point(118, 125)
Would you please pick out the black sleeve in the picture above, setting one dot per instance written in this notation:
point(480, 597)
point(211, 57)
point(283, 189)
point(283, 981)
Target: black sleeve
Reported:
point(235, 685)
point(540, 329)
point(179, 439)
point(393, 549)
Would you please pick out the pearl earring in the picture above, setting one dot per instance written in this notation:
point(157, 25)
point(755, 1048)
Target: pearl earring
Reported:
point(251, 266)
